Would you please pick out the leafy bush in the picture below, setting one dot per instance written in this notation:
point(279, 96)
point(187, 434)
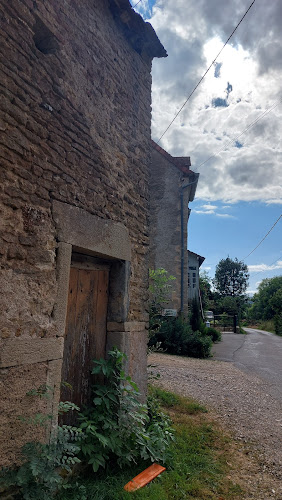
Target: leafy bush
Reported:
point(39, 476)
point(278, 323)
point(177, 337)
point(212, 332)
point(117, 426)
point(198, 345)
point(160, 289)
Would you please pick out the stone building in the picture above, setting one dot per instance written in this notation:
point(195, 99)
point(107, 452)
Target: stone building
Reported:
point(75, 149)
point(172, 186)
point(194, 263)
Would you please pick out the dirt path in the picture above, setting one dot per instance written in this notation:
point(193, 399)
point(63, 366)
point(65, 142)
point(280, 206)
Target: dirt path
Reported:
point(241, 404)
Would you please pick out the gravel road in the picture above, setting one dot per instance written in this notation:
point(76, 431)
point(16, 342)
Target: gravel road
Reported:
point(240, 402)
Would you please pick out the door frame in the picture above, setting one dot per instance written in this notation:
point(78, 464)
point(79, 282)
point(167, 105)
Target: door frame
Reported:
point(79, 231)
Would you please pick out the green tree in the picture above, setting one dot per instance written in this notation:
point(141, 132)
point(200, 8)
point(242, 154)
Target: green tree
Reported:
point(160, 289)
point(206, 291)
point(231, 277)
point(267, 302)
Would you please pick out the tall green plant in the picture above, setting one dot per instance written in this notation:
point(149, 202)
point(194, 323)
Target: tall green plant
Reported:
point(160, 288)
point(39, 476)
point(195, 318)
point(117, 426)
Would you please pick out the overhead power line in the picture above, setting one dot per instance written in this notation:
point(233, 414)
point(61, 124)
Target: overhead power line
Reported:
point(263, 237)
point(231, 141)
point(265, 270)
point(133, 6)
point(200, 81)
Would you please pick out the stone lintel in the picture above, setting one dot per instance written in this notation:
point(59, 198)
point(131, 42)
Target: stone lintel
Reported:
point(102, 237)
point(27, 351)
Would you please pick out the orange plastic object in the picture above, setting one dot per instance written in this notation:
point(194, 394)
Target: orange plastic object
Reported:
point(144, 477)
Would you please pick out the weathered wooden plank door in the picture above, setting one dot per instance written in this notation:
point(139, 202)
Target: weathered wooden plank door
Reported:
point(85, 334)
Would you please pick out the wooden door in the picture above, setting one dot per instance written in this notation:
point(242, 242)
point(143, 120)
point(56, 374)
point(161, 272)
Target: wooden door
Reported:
point(85, 334)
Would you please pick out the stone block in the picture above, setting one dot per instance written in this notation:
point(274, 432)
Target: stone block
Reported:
point(86, 231)
point(26, 351)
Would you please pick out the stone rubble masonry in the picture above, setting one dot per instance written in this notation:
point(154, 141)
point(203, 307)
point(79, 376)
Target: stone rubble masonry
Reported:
point(75, 117)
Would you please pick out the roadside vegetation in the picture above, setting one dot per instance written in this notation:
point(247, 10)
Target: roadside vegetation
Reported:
point(265, 309)
point(225, 295)
point(116, 439)
point(186, 337)
point(197, 467)
point(114, 431)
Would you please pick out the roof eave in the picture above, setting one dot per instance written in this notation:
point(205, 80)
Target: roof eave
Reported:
point(140, 34)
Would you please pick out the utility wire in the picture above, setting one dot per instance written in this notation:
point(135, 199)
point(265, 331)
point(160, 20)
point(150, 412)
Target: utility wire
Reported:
point(231, 141)
point(200, 81)
point(133, 6)
point(263, 237)
point(265, 270)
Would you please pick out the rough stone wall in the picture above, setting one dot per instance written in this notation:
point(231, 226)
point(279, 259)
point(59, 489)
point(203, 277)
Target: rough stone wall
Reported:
point(75, 127)
point(165, 223)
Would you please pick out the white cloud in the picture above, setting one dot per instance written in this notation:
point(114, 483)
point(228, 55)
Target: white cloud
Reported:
point(209, 207)
point(205, 212)
point(274, 202)
point(226, 216)
point(193, 33)
point(212, 210)
point(257, 268)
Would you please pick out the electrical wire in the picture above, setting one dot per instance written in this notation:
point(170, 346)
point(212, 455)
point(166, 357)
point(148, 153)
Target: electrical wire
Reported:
point(231, 141)
point(133, 6)
point(263, 237)
point(265, 270)
point(200, 81)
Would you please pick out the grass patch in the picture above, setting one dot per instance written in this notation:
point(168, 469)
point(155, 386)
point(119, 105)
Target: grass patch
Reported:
point(197, 470)
point(267, 325)
point(170, 400)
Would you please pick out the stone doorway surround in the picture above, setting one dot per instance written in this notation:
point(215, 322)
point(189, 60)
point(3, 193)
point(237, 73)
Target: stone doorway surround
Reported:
point(80, 231)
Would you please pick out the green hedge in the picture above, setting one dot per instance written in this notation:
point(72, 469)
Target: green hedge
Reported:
point(177, 337)
point(278, 324)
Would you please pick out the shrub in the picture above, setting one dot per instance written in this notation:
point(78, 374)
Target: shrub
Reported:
point(212, 332)
point(177, 337)
point(117, 426)
point(39, 476)
point(198, 345)
point(278, 323)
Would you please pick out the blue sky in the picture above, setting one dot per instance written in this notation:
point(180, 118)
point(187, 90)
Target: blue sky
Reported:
point(231, 127)
point(217, 230)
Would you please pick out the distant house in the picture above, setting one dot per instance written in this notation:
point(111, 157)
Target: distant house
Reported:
point(172, 186)
point(194, 263)
point(75, 122)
